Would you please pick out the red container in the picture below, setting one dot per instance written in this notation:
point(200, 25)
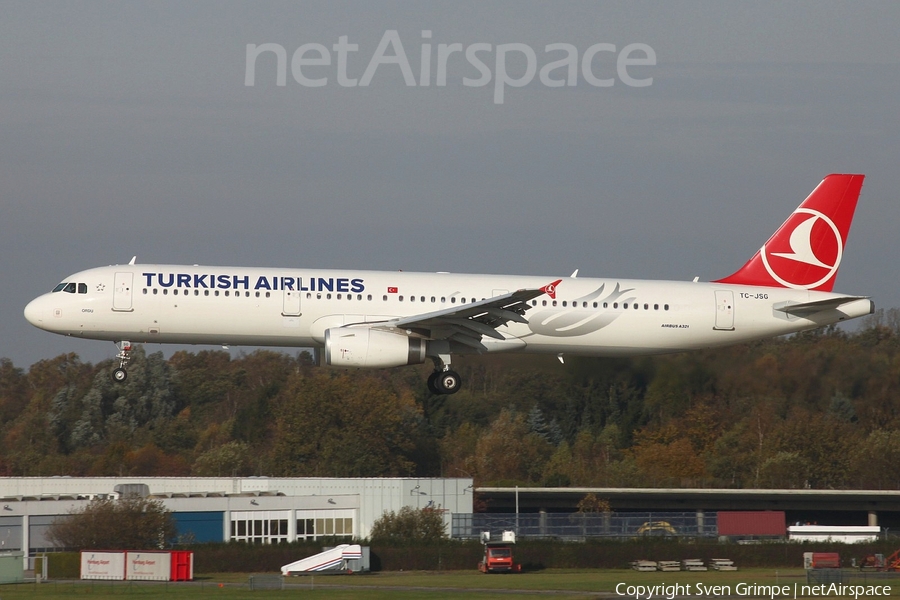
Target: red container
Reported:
point(182, 565)
point(826, 560)
point(752, 522)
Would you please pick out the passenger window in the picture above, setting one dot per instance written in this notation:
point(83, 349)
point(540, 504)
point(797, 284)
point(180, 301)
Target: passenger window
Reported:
point(206, 292)
point(155, 291)
point(145, 291)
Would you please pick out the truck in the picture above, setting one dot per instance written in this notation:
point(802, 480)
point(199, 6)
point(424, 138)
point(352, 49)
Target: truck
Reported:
point(498, 555)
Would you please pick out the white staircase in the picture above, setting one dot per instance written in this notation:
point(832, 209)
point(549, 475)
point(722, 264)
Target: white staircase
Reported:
point(333, 559)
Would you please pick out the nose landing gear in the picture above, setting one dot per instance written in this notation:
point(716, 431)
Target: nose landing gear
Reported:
point(124, 355)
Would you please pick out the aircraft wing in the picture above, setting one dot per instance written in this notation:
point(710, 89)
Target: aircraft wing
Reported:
point(468, 323)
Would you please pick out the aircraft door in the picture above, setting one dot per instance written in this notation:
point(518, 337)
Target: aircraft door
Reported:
point(724, 310)
point(122, 292)
point(291, 303)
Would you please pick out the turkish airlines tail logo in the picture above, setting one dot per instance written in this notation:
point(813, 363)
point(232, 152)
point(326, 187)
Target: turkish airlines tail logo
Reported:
point(805, 253)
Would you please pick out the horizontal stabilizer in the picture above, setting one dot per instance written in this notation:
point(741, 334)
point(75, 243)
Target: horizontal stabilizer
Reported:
point(807, 308)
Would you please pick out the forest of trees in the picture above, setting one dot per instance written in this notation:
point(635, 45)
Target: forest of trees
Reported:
point(817, 410)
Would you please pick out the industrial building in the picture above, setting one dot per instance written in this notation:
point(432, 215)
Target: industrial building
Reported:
point(271, 510)
point(825, 507)
point(251, 509)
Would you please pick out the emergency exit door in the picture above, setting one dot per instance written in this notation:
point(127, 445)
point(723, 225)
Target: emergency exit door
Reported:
point(724, 310)
point(122, 291)
point(291, 305)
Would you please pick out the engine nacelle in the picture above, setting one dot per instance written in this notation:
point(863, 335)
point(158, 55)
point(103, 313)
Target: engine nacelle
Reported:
point(364, 347)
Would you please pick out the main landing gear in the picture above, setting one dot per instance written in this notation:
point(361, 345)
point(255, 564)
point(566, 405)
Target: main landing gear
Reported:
point(124, 355)
point(443, 381)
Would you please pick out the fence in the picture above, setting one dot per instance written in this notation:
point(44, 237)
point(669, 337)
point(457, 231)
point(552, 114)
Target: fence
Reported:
point(579, 526)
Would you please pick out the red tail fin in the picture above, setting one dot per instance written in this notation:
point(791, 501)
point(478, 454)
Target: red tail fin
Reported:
point(806, 251)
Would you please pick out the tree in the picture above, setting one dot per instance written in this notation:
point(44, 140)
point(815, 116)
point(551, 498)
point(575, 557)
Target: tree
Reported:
point(410, 524)
point(129, 523)
point(666, 458)
point(876, 461)
point(229, 460)
point(340, 425)
point(507, 450)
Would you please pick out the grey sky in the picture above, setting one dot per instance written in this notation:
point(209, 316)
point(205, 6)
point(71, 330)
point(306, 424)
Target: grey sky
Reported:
point(127, 130)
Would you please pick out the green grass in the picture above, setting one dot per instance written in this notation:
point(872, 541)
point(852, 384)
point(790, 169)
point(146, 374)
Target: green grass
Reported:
point(567, 584)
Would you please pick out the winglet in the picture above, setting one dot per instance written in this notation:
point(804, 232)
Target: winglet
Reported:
point(550, 288)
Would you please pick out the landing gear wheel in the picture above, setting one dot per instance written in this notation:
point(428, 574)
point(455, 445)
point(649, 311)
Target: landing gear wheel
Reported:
point(432, 383)
point(447, 382)
point(124, 355)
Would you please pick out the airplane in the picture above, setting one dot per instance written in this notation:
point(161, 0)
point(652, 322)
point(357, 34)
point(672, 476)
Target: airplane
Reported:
point(379, 319)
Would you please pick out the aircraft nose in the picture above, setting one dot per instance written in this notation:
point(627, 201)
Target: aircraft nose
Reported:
point(35, 312)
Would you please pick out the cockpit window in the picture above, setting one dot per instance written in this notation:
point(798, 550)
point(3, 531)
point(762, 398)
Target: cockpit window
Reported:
point(70, 288)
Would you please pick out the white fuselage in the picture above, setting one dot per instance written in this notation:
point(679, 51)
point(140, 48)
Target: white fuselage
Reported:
point(293, 308)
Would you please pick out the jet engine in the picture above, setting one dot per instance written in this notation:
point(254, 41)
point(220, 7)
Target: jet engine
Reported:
point(365, 347)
